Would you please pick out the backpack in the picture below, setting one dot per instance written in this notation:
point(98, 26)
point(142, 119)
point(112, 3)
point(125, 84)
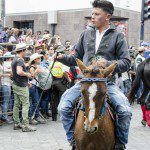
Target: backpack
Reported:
point(44, 79)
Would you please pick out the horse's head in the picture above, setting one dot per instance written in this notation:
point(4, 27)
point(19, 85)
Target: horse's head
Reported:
point(93, 88)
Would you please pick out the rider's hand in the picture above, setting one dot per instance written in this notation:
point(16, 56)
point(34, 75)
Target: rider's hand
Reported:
point(102, 62)
point(59, 56)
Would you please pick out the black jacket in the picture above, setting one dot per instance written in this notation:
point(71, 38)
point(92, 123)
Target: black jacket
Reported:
point(113, 47)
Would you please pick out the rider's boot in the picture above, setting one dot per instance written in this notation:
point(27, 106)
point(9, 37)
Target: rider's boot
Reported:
point(119, 146)
point(73, 147)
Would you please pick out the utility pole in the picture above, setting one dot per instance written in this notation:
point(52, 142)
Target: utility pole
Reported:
point(2, 11)
point(142, 22)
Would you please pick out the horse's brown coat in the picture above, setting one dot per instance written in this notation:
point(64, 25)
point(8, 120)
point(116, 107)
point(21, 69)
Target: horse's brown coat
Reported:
point(104, 137)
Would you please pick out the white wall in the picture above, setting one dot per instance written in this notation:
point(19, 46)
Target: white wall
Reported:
point(21, 6)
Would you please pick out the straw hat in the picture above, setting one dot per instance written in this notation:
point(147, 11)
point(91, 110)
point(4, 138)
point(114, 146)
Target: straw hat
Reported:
point(20, 47)
point(141, 49)
point(37, 45)
point(46, 37)
point(8, 55)
point(33, 57)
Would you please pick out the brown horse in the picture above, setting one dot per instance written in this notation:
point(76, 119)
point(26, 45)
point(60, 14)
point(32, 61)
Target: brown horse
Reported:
point(92, 131)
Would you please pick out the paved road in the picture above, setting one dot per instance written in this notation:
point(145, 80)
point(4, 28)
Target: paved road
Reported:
point(52, 136)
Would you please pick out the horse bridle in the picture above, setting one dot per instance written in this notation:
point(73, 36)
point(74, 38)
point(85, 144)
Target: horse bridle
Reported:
point(94, 80)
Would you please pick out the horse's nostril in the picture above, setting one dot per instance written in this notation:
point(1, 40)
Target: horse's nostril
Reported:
point(96, 128)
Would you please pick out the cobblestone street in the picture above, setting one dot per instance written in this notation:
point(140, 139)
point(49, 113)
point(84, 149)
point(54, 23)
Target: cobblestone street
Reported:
point(52, 136)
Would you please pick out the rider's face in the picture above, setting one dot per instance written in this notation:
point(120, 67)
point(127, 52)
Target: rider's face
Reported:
point(100, 17)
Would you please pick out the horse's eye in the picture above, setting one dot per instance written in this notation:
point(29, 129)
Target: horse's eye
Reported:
point(84, 92)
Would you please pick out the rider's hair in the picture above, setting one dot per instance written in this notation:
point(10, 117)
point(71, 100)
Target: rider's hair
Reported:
point(104, 5)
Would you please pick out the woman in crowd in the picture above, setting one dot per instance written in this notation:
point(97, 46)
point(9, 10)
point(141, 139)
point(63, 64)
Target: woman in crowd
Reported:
point(46, 97)
point(34, 69)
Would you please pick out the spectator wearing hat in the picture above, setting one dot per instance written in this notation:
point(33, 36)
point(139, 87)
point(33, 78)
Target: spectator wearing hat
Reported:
point(140, 57)
point(38, 47)
point(20, 89)
point(6, 84)
point(34, 68)
point(47, 96)
point(45, 41)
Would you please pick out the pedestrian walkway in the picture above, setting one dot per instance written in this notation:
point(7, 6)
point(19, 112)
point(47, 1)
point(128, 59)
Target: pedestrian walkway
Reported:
point(52, 136)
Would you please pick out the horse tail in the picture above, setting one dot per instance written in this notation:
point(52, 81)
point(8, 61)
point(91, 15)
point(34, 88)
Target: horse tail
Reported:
point(136, 83)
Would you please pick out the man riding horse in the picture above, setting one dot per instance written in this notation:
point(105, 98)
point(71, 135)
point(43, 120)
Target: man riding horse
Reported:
point(100, 41)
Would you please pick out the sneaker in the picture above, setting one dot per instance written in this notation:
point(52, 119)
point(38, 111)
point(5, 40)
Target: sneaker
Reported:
point(45, 116)
point(73, 147)
point(43, 113)
point(7, 121)
point(54, 117)
point(72, 144)
point(49, 114)
point(1, 122)
point(143, 123)
point(27, 128)
point(33, 122)
point(17, 126)
point(119, 146)
point(40, 120)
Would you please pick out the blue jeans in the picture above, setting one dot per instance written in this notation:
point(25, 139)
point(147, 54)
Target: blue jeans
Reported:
point(6, 90)
point(34, 98)
point(118, 99)
point(46, 98)
point(127, 86)
point(140, 90)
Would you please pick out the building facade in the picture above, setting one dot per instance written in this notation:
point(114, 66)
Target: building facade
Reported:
point(69, 24)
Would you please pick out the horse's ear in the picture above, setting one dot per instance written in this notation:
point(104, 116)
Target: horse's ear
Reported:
point(107, 71)
point(81, 65)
